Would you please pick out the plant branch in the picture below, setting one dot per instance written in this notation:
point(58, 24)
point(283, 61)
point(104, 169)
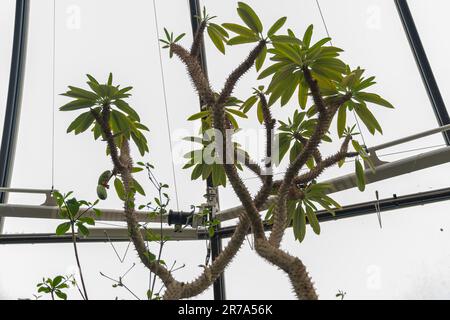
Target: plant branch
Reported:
point(196, 74)
point(198, 39)
point(77, 258)
point(234, 77)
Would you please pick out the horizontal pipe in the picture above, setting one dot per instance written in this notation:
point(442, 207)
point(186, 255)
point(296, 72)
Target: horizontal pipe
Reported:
point(96, 235)
point(365, 208)
point(393, 169)
point(410, 138)
point(382, 172)
point(52, 212)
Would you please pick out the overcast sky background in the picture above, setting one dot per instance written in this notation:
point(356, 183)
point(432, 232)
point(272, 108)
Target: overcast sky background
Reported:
point(408, 258)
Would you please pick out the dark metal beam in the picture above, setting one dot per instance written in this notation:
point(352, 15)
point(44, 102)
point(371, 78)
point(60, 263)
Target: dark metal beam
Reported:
point(51, 238)
point(216, 241)
point(12, 111)
point(424, 66)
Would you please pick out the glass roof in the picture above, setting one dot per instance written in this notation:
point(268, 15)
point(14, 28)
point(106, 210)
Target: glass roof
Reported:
point(103, 36)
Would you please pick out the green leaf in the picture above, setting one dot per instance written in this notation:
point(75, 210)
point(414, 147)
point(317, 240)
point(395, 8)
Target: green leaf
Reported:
point(62, 228)
point(216, 39)
point(88, 220)
point(92, 79)
point(138, 187)
point(259, 113)
point(303, 90)
point(240, 30)
point(197, 172)
point(82, 229)
point(360, 178)
point(299, 223)
point(73, 206)
point(110, 79)
point(241, 40)
point(78, 120)
point(341, 120)
point(287, 51)
point(125, 107)
point(249, 16)
point(79, 93)
point(77, 104)
point(271, 69)
point(289, 89)
point(232, 120)
point(308, 35)
point(249, 103)
point(286, 39)
point(368, 118)
point(261, 58)
point(120, 190)
point(179, 37)
point(61, 295)
point(199, 115)
point(223, 33)
point(374, 98)
point(276, 26)
point(85, 123)
point(56, 281)
point(295, 151)
point(312, 219)
point(237, 112)
point(284, 143)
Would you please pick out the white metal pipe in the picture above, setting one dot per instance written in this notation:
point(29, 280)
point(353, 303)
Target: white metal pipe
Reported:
point(382, 172)
point(52, 212)
point(410, 138)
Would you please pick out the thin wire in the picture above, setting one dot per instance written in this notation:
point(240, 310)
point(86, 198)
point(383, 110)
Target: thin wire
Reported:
point(328, 34)
point(53, 94)
point(323, 20)
point(165, 103)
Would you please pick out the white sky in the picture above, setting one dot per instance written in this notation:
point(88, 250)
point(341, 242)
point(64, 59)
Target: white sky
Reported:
point(408, 258)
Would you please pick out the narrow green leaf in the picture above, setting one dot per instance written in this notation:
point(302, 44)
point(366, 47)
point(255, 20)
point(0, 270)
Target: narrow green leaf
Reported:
point(374, 98)
point(237, 113)
point(138, 187)
point(249, 103)
point(249, 16)
point(360, 178)
point(241, 40)
point(312, 219)
point(261, 58)
point(120, 190)
point(77, 104)
point(216, 39)
point(299, 223)
point(341, 120)
point(308, 35)
point(125, 107)
point(199, 115)
point(276, 26)
point(240, 30)
point(110, 79)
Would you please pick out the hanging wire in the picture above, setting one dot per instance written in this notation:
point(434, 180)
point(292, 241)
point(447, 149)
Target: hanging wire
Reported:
point(165, 103)
point(53, 95)
point(331, 43)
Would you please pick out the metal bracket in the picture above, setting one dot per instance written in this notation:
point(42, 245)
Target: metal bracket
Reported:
point(49, 199)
